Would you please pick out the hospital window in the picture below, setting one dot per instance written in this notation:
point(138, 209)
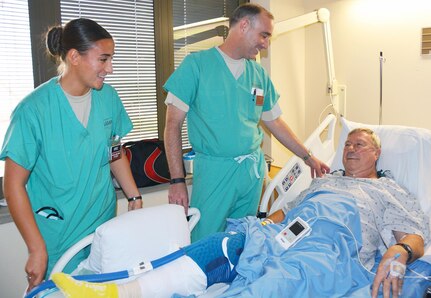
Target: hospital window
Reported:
point(15, 54)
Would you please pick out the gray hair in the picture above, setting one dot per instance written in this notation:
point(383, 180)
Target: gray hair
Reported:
point(374, 138)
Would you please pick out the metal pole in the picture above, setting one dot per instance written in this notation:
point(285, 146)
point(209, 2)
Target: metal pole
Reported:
point(381, 87)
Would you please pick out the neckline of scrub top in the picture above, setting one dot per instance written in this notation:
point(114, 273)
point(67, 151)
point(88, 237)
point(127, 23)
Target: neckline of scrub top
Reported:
point(68, 108)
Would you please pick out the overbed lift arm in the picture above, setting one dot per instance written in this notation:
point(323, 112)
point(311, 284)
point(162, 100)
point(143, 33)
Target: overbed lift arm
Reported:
point(319, 16)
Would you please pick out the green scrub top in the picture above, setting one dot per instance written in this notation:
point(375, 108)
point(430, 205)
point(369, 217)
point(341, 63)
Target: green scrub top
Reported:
point(224, 112)
point(68, 163)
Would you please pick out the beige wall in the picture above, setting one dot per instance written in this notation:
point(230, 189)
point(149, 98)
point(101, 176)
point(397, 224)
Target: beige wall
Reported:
point(285, 62)
point(361, 29)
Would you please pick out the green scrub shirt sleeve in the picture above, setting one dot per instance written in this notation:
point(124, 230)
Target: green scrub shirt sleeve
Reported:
point(184, 82)
point(122, 124)
point(272, 95)
point(20, 142)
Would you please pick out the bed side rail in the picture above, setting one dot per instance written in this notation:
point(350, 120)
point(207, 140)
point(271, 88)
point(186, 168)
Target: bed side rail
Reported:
point(295, 176)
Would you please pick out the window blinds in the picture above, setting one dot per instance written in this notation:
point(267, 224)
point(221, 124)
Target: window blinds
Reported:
point(131, 23)
point(16, 69)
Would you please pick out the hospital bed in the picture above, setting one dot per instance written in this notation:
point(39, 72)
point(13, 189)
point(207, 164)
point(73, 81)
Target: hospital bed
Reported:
point(153, 232)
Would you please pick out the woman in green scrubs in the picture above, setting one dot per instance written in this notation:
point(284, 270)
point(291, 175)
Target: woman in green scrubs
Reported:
point(58, 150)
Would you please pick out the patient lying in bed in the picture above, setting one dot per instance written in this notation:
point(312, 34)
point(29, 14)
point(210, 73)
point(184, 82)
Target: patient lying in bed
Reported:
point(357, 211)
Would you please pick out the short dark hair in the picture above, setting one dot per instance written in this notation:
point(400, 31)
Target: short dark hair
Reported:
point(247, 10)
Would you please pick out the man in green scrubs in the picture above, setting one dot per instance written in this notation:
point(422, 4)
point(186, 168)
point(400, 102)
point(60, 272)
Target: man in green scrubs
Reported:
point(224, 93)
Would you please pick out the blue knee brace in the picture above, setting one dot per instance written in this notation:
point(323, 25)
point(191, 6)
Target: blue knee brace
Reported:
point(217, 256)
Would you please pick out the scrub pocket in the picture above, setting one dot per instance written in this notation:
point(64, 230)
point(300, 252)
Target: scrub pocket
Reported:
point(51, 231)
point(212, 104)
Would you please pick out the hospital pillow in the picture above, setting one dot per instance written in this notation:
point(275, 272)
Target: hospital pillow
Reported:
point(406, 152)
point(140, 235)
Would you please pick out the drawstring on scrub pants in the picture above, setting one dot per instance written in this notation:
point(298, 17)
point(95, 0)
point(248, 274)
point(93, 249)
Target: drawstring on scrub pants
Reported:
point(253, 157)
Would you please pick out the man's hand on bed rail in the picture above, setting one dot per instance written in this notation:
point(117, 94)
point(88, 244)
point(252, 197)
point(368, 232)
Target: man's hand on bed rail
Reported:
point(178, 195)
point(318, 168)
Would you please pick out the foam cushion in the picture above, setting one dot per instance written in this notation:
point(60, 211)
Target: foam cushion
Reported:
point(406, 152)
point(140, 235)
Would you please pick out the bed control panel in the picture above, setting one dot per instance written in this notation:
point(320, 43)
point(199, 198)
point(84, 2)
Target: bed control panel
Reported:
point(291, 177)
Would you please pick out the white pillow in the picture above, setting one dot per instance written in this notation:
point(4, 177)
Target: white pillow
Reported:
point(406, 152)
point(140, 235)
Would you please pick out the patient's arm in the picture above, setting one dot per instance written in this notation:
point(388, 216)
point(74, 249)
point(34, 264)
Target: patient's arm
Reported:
point(277, 216)
point(383, 277)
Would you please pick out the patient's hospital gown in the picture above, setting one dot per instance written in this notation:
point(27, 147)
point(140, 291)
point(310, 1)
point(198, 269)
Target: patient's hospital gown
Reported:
point(325, 263)
point(384, 206)
point(346, 215)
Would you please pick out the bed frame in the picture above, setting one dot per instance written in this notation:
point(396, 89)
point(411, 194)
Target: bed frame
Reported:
point(288, 183)
point(295, 176)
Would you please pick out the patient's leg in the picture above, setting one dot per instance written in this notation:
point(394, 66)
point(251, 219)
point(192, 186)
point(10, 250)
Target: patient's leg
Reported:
point(72, 288)
point(208, 261)
point(182, 276)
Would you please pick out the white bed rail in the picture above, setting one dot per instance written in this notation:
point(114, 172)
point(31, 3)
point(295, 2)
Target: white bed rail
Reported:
point(295, 176)
point(193, 214)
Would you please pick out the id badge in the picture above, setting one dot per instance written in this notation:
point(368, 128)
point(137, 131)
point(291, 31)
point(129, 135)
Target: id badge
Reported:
point(115, 149)
point(258, 96)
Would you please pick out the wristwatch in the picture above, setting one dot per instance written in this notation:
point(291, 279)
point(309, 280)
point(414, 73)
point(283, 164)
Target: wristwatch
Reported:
point(134, 198)
point(309, 154)
point(408, 250)
point(177, 180)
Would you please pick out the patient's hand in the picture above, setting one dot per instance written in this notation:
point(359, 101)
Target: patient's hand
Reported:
point(385, 279)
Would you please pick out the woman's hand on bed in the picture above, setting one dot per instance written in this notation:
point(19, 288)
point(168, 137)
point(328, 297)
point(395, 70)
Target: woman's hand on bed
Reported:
point(390, 284)
point(133, 205)
point(178, 195)
point(318, 168)
point(36, 267)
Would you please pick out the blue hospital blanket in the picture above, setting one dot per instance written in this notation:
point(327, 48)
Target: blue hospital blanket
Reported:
point(324, 264)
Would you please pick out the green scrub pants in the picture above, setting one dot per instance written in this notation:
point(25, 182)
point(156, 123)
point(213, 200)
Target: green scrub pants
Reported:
point(225, 188)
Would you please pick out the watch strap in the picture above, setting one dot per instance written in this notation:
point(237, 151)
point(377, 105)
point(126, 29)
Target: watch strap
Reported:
point(408, 249)
point(177, 180)
point(134, 198)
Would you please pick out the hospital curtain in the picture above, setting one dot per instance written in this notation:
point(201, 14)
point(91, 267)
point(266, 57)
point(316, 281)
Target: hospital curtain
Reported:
point(131, 23)
point(16, 70)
